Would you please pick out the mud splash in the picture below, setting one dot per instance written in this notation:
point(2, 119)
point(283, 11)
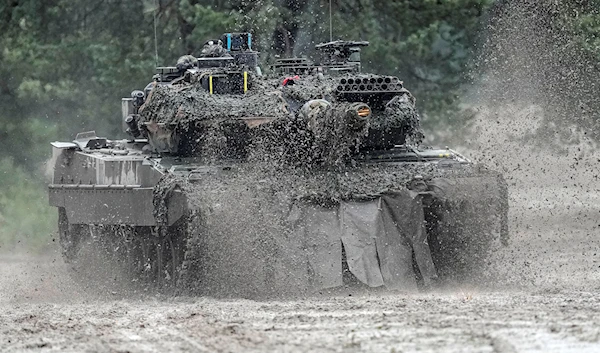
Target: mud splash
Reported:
point(534, 125)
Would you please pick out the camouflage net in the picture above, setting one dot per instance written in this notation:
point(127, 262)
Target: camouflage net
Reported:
point(400, 113)
point(266, 123)
point(180, 104)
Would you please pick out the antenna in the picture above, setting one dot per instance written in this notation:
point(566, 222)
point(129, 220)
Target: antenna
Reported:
point(330, 24)
point(155, 37)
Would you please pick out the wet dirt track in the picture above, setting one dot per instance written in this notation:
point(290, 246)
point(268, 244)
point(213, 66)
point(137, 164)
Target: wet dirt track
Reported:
point(544, 299)
point(508, 322)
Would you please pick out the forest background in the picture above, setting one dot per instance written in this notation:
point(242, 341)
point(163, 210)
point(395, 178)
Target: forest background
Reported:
point(64, 65)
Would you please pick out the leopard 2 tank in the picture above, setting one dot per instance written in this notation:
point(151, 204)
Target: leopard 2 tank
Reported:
point(235, 183)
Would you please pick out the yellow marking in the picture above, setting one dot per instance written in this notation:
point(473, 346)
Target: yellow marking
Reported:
point(364, 112)
point(245, 81)
point(210, 86)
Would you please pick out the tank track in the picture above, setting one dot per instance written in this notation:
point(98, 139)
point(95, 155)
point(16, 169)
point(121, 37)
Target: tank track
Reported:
point(170, 259)
point(116, 258)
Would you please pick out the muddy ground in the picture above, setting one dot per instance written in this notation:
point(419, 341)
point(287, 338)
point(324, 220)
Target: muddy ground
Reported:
point(545, 298)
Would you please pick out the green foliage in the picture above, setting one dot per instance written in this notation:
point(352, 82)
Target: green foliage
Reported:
point(61, 64)
point(26, 220)
point(588, 33)
point(577, 24)
point(583, 22)
point(207, 22)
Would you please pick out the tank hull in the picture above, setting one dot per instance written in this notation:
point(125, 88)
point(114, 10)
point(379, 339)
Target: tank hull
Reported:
point(238, 229)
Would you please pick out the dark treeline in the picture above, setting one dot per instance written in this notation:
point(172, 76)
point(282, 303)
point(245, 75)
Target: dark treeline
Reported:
point(65, 64)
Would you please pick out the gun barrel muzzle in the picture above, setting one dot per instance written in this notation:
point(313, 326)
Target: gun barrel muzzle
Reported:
point(357, 115)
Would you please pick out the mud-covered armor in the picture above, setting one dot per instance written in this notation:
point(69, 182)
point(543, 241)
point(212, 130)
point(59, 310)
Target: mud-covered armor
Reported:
point(238, 184)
